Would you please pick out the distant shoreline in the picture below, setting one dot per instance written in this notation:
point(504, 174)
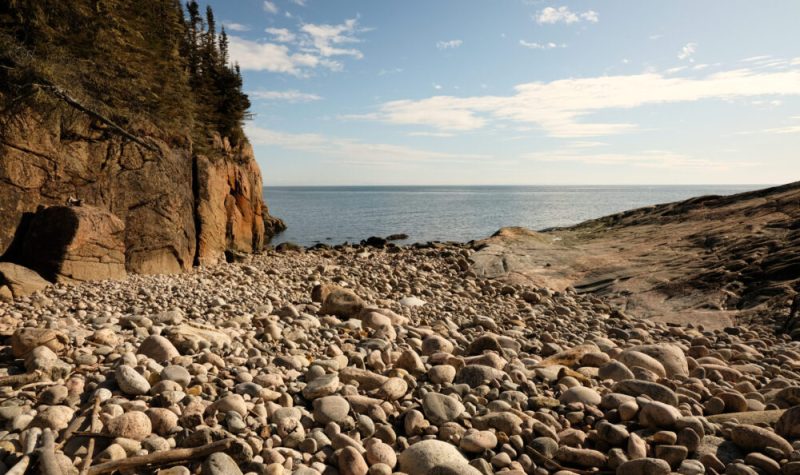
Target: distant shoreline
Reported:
point(338, 214)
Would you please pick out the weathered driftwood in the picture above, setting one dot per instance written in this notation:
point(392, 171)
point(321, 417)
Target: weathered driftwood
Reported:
point(21, 379)
point(87, 461)
point(161, 458)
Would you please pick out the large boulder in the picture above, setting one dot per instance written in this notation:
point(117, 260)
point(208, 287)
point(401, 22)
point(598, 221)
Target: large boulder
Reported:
point(17, 281)
point(337, 300)
point(75, 243)
point(49, 157)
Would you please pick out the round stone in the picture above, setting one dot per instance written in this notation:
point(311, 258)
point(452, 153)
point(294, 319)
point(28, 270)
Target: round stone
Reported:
point(158, 348)
point(580, 394)
point(220, 464)
point(644, 466)
point(324, 385)
point(434, 456)
point(130, 381)
point(130, 425)
point(440, 408)
point(478, 441)
point(331, 409)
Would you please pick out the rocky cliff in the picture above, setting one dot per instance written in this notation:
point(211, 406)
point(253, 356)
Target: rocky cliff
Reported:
point(134, 109)
point(179, 208)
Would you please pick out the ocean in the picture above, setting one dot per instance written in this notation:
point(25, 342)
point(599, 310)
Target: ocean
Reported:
point(334, 215)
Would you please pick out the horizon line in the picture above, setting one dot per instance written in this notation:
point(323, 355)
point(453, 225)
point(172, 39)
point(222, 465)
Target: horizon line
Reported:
point(532, 184)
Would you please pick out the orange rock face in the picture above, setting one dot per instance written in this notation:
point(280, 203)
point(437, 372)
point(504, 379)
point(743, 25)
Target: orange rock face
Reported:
point(230, 209)
point(177, 209)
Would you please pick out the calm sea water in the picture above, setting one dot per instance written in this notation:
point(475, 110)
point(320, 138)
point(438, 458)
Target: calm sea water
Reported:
point(335, 215)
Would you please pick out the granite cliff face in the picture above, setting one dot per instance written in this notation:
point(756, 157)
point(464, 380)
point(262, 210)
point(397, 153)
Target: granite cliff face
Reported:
point(178, 208)
point(138, 112)
point(231, 213)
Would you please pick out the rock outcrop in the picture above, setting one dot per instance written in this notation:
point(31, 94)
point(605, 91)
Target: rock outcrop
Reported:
point(75, 243)
point(165, 196)
point(230, 209)
point(17, 281)
point(712, 260)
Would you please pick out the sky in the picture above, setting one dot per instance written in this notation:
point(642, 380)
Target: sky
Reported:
point(520, 92)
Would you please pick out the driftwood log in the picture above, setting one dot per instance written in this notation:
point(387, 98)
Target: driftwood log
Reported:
point(161, 458)
point(87, 461)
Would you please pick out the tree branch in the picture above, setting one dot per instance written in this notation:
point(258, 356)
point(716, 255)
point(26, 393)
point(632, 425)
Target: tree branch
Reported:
point(161, 458)
point(61, 94)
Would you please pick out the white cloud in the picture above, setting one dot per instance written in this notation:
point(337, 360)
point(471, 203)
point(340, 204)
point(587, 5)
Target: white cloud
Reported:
point(269, 57)
point(450, 44)
point(534, 45)
point(270, 7)
point(792, 129)
point(789, 129)
point(646, 158)
point(350, 149)
point(591, 16)
point(431, 134)
point(326, 40)
point(288, 96)
point(301, 3)
point(437, 86)
point(559, 106)
point(551, 15)
point(312, 46)
point(281, 35)
point(687, 51)
point(233, 26)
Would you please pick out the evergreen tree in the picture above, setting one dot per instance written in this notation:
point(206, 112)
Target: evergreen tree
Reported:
point(193, 28)
point(223, 48)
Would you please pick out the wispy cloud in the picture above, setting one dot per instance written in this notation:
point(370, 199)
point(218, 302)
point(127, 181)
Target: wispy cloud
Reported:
point(789, 129)
point(350, 149)
point(327, 40)
point(449, 44)
point(552, 15)
point(270, 7)
point(301, 3)
point(233, 26)
point(560, 106)
point(687, 52)
point(534, 45)
point(281, 35)
point(298, 52)
point(287, 96)
point(646, 158)
point(431, 134)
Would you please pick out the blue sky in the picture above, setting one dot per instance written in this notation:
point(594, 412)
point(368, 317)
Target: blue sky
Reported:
point(520, 91)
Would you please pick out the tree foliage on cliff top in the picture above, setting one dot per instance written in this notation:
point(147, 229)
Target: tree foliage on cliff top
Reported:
point(146, 65)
